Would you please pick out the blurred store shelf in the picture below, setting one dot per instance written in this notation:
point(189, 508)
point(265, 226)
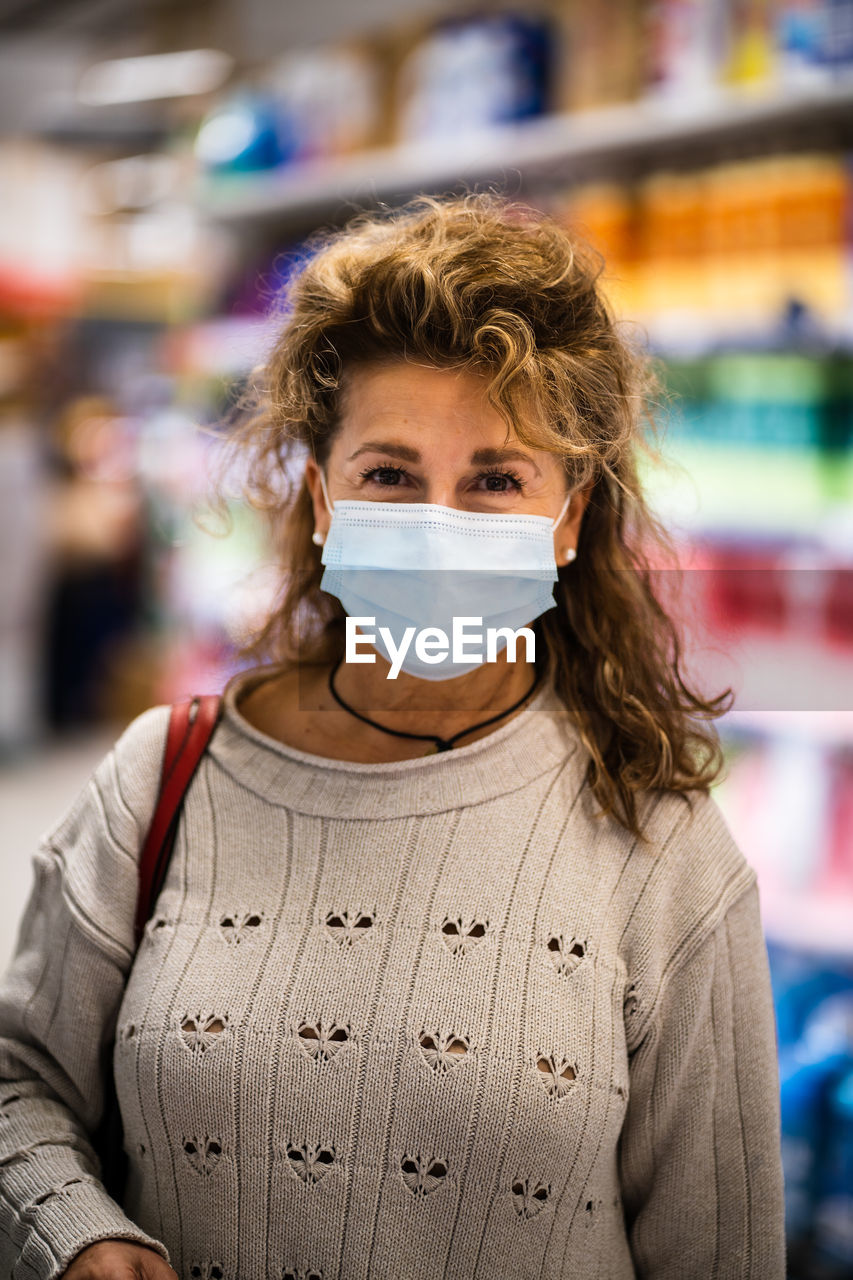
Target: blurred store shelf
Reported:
point(833, 728)
point(758, 492)
point(813, 922)
point(551, 147)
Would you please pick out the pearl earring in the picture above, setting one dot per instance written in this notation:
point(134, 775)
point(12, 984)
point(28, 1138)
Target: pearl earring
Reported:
point(318, 538)
point(570, 554)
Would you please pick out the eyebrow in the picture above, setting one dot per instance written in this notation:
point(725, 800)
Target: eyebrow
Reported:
point(480, 457)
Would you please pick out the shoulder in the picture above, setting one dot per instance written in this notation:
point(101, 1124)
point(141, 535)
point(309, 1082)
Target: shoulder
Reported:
point(694, 863)
point(134, 766)
point(94, 845)
point(122, 789)
point(673, 889)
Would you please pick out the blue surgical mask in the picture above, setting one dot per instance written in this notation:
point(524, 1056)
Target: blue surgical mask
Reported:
point(418, 565)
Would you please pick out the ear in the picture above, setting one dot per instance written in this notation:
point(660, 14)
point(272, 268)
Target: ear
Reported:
point(567, 532)
point(315, 489)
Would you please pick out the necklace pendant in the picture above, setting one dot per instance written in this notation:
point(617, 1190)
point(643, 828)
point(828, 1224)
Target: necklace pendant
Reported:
point(439, 744)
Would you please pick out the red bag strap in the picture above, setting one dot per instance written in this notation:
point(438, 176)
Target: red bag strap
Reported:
point(191, 725)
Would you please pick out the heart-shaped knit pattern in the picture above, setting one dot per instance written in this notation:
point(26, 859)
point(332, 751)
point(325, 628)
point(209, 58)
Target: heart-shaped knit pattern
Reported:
point(442, 1050)
point(557, 1074)
point(322, 1040)
point(349, 927)
point(238, 926)
point(202, 1153)
point(566, 952)
point(530, 1197)
point(460, 935)
point(202, 1032)
point(310, 1162)
point(423, 1174)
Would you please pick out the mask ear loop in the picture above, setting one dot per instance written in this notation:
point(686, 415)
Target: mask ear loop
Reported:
point(568, 552)
point(329, 507)
point(563, 510)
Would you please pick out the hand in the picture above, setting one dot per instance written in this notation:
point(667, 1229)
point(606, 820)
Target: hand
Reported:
point(118, 1260)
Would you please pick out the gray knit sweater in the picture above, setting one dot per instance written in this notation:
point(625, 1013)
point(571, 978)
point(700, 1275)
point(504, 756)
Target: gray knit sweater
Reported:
point(419, 1019)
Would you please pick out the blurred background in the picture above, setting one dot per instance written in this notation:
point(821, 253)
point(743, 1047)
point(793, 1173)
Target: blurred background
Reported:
point(161, 163)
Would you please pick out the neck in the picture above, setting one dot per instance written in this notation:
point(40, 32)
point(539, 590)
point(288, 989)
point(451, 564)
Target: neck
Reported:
point(443, 707)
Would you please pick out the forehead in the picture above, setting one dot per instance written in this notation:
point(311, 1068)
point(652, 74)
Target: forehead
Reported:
point(405, 393)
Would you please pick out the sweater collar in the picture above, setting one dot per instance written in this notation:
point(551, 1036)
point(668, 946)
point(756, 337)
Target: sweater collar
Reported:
point(540, 738)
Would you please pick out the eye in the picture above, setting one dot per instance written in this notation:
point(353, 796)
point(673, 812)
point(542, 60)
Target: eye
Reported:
point(388, 476)
point(502, 480)
point(498, 480)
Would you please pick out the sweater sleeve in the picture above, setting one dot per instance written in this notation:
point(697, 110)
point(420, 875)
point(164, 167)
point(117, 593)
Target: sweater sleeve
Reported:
point(59, 1000)
point(700, 1159)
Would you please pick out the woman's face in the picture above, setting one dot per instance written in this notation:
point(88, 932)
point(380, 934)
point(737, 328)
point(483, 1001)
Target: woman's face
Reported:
point(416, 433)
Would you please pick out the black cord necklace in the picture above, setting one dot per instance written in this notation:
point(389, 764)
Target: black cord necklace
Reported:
point(442, 744)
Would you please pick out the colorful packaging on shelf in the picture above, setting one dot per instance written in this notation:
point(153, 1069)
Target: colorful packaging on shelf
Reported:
point(245, 133)
point(730, 250)
point(835, 875)
point(833, 1214)
point(802, 1085)
point(800, 34)
point(470, 73)
point(604, 213)
point(785, 400)
point(328, 99)
point(838, 49)
point(808, 1073)
point(833, 1242)
point(752, 52)
point(686, 45)
point(600, 53)
point(769, 399)
point(801, 981)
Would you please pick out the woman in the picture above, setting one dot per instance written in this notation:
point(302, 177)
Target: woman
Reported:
point(457, 970)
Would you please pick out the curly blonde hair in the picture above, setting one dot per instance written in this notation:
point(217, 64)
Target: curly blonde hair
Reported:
point(487, 284)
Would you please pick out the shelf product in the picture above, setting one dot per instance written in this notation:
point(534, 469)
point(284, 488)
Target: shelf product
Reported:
point(472, 72)
point(833, 1214)
point(724, 251)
